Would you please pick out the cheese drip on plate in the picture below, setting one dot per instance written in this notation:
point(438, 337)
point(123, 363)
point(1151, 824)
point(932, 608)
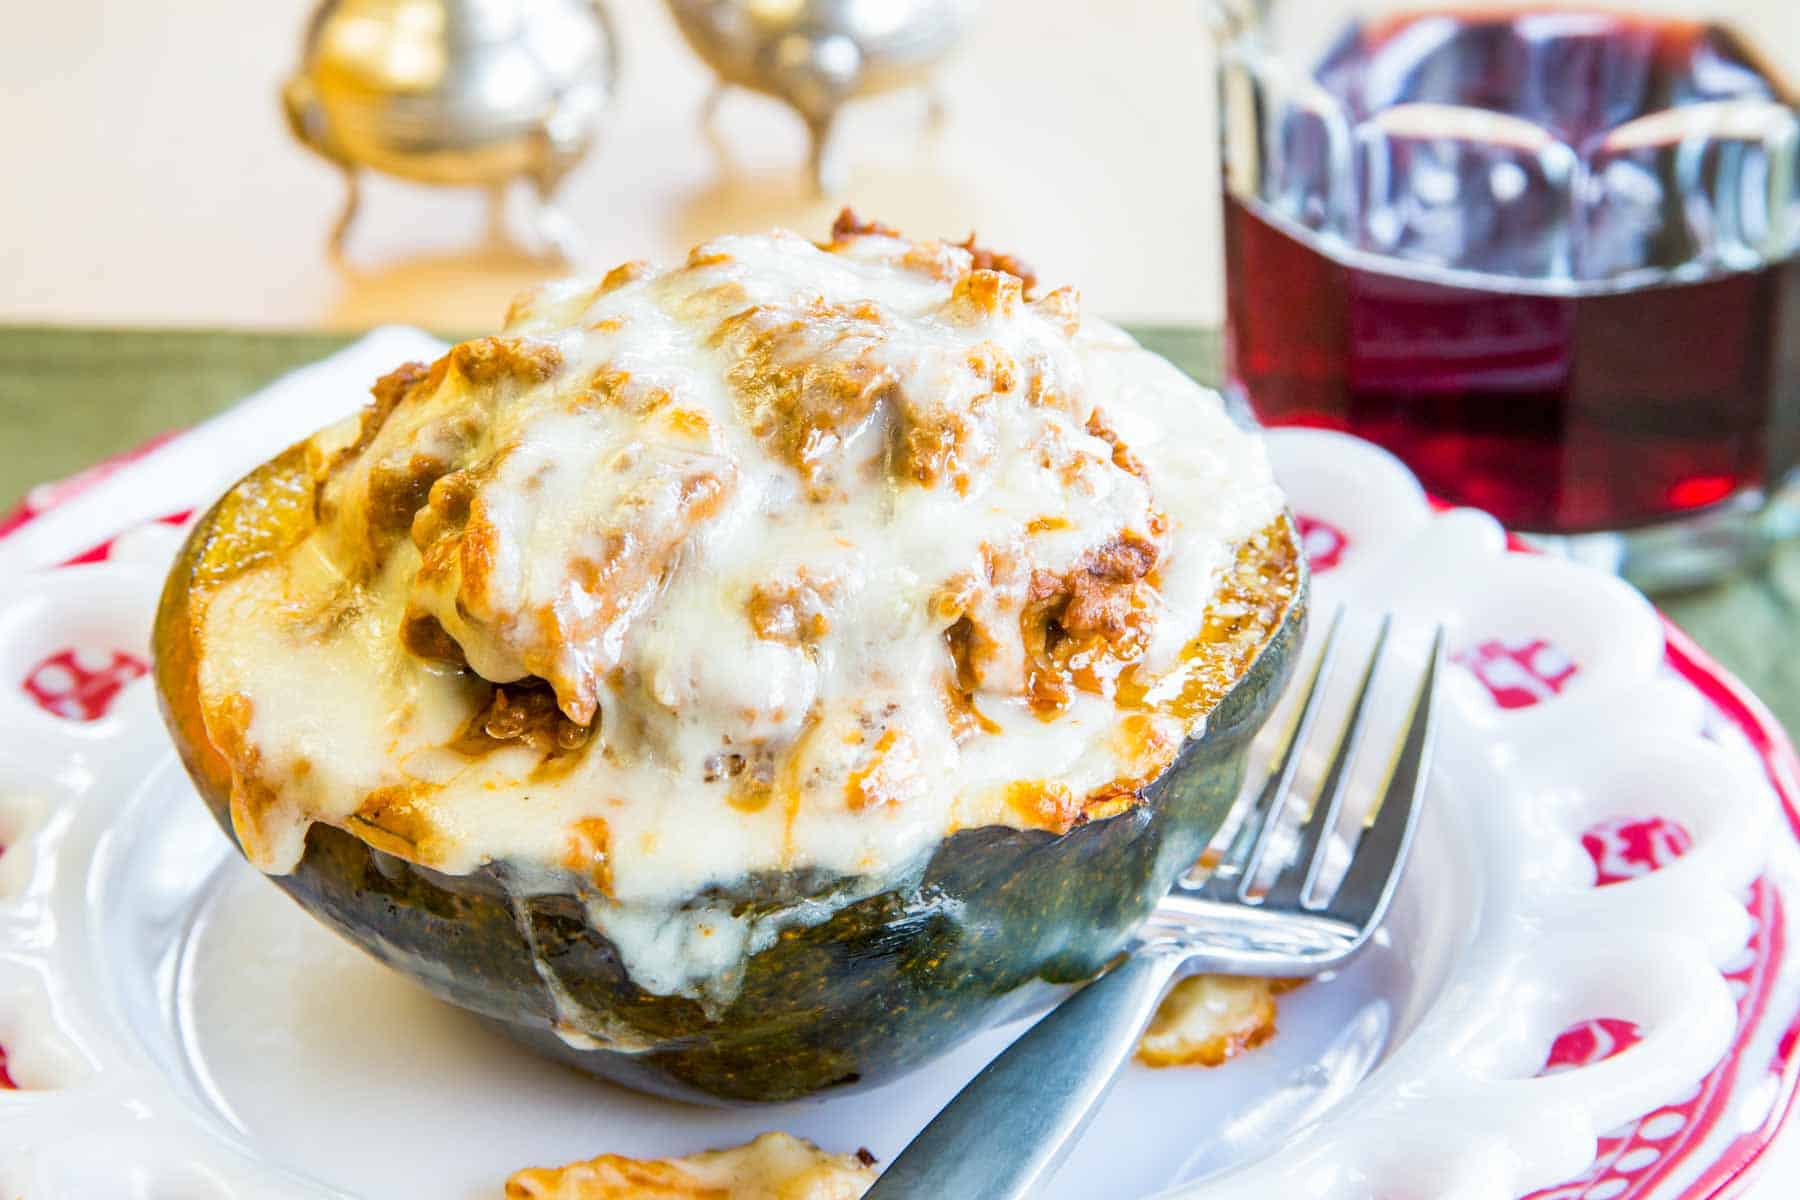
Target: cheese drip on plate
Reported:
point(774, 1166)
point(788, 560)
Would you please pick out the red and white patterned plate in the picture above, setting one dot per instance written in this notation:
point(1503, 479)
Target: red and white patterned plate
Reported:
point(1610, 780)
point(1703, 1144)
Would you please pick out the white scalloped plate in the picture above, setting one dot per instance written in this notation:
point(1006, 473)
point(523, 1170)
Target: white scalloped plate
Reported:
point(177, 1029)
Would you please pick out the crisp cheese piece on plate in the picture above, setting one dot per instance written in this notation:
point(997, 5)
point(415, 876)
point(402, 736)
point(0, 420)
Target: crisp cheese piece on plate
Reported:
point(1208, 1019)
point(773, 1167)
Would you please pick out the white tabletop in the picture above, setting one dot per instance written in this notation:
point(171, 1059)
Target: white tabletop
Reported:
point(151, 180)
point(163, 187)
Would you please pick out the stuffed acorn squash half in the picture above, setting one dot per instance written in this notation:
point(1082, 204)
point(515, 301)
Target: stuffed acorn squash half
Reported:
point(749, 677)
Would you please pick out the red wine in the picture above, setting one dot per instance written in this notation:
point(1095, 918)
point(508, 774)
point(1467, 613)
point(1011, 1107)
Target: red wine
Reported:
point(1625, 388)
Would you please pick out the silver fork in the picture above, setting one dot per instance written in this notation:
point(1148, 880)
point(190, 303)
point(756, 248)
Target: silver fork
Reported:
point(1006, 1132)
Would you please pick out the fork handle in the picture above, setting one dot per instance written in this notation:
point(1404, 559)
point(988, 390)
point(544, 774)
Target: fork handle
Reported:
point(1009, 1129)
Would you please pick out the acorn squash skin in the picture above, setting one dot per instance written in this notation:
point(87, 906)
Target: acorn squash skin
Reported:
point(884, 985)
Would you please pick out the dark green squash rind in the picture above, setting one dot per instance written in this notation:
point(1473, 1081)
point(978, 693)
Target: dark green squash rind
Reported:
point(884, 985)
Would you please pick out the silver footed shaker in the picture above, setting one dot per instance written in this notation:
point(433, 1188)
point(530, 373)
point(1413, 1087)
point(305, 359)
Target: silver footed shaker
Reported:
point(817, 54)
point(455, 92)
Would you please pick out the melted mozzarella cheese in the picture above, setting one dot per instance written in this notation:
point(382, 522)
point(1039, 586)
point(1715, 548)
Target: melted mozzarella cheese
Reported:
point(726, 512)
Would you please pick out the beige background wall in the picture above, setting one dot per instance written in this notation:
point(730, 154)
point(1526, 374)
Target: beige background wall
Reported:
point(149, 176)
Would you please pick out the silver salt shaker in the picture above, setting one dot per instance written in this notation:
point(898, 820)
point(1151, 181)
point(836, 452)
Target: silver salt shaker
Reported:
point(817, 54)
point(455, 92)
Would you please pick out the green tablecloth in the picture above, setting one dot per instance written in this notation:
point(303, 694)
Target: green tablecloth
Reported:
point(71, 396)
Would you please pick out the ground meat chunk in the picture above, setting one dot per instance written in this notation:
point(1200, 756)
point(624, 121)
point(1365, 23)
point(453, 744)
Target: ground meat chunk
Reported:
point(491, 360)
point(994, 260)
point(1122, 457)
point(1082, 628)
point(809, 378)
point(794, 611)
point(849, 225)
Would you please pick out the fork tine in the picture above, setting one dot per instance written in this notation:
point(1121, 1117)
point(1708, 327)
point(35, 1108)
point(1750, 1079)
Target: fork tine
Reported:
point(1238, 866)
point(1290, 887)
point(1369, 884)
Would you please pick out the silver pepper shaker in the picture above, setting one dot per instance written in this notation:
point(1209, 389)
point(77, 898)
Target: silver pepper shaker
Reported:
point(817, 54)
point(455, 92)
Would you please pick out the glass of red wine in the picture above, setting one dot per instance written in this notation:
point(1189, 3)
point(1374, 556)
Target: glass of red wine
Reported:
point(1545, 253)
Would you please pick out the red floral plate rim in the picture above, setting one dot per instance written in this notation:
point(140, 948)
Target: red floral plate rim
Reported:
point(1733, 1169)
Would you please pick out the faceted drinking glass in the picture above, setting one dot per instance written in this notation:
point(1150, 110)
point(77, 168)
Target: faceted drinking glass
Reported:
point(1544, 253)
